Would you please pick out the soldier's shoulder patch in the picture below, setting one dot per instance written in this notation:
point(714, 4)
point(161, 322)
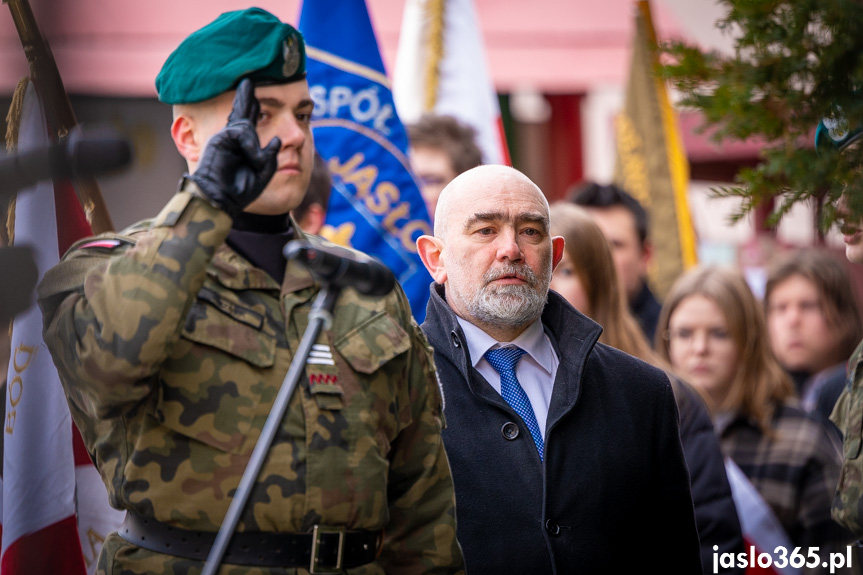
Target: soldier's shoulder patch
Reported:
point(106, 244)
point(98, 246)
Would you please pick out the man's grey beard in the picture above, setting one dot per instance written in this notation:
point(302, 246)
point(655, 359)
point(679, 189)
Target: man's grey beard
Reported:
point(509, 306)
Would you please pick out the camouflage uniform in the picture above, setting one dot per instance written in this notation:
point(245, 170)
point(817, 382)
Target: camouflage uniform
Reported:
point(171, 349)
point(848, 417)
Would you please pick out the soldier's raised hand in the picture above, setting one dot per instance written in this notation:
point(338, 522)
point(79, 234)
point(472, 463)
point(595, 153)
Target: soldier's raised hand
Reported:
point(234, 169)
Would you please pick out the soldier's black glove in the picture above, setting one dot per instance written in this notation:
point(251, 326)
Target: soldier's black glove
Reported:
point(234, 169)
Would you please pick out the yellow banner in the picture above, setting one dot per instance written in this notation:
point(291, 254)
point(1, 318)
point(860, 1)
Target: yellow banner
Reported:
point(651, 163)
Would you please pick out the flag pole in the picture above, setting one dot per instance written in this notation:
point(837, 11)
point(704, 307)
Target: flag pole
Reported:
point(58, 108)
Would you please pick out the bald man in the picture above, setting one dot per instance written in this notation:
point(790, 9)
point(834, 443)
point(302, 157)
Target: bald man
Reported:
point(565, 452)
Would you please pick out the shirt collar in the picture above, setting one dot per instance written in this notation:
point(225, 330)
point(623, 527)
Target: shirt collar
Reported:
point(532, 340)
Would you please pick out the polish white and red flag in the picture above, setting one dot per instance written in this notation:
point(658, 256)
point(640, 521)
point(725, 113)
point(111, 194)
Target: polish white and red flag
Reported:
point(55, 512)
point(763, 534)
point(441, 68)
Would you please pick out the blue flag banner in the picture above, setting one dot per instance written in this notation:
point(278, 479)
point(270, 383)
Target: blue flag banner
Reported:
point(376, 205)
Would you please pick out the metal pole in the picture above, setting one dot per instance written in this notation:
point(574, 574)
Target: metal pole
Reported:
point(58, 108)
point(320, 317)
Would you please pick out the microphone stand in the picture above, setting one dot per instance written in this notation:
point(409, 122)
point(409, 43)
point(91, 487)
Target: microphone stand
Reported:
point(320, 316)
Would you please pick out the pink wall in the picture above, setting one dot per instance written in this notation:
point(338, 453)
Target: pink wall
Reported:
point(116, 47)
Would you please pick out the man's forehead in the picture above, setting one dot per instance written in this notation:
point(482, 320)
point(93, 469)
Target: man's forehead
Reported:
point(498, 196)
point(487, 189)
point(505, 214)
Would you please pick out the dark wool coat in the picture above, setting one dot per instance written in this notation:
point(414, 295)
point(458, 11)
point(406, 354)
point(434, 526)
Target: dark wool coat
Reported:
point(715, 513)
point(612, 494)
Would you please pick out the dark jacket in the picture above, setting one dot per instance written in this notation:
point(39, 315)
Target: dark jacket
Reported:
point(646, 310)
point(820, 391)
point(715, 513)
point(612, 493)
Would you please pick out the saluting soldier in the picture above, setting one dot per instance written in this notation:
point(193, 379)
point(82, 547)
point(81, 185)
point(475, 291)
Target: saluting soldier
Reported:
point(848, 412)
point(173, 337)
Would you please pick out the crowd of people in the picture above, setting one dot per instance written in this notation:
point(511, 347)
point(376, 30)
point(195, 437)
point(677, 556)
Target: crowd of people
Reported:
point(551, 415)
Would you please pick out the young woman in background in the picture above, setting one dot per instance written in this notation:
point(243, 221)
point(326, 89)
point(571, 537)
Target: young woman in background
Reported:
point(713, 333)
point(587, 278)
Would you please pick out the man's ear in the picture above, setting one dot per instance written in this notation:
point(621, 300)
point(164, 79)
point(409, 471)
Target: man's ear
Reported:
point(185, 138)
point(430, 250)
point(557, 245)
point(646, 255)
point(313, 220)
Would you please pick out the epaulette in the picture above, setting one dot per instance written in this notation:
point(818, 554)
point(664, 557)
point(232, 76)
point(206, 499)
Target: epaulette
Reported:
point(110, 241)
point(102, 244)
point(105, 244)
point(85, 254)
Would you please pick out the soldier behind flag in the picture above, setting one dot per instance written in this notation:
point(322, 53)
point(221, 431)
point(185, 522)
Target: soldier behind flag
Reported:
point(173, 337)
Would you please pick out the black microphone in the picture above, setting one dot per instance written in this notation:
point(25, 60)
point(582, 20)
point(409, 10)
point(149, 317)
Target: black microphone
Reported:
point(16, 290)
point(335, 265)
point(78, 154)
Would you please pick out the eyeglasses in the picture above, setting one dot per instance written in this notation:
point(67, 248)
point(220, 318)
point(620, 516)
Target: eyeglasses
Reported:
point(687, 336)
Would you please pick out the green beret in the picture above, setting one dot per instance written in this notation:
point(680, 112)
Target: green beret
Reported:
point(245, 43)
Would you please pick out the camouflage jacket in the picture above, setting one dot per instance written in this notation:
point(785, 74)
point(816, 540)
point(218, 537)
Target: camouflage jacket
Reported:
point(848, 417)
point(171, 348)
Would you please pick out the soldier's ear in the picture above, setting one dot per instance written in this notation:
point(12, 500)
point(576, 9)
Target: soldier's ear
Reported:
point(430, 250)
point(185, 138)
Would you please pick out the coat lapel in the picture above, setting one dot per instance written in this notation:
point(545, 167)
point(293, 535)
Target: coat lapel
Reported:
point(577, 334)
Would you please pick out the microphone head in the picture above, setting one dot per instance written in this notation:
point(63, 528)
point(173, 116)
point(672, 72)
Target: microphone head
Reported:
point(379, 282)
point(97, 151)
point(324, 261)
point(16, 291)
point(336, 265)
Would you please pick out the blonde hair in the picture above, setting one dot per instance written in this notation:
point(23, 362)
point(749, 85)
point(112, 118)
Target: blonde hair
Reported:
point(759, 382)
point(591, 257)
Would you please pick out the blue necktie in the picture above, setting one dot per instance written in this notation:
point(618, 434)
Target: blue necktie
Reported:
point(504, 360)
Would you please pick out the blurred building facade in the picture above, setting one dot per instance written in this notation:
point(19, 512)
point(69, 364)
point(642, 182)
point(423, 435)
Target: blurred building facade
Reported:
point(559, 65)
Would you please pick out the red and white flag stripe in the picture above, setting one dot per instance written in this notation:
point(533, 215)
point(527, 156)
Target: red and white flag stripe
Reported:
point(441, 68)
point(38, 463)
point(50, 490)
point(762, 532)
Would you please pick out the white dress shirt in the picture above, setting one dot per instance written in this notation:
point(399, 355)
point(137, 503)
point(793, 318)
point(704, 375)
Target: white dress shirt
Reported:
point(535, 370)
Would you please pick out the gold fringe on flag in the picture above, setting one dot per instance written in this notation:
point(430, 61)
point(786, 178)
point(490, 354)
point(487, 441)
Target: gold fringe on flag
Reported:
point(434, 52)
point(678, 163)
point(13, 123)
point(651, 162)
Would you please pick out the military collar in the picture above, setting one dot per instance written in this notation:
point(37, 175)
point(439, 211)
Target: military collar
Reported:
point(235, 272)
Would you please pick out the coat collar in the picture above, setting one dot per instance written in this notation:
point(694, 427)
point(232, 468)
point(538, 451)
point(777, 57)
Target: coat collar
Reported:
point(568, 330)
